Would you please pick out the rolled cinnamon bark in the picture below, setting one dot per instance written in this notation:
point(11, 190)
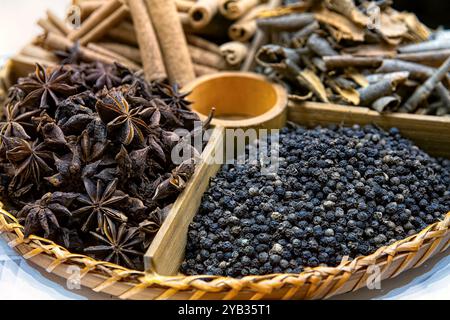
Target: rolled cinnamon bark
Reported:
point(31, 50)
point(95, 18)
point(202, 43)
point(207, 58)
point(201, 70)
point(105, 25)
point(432, 58)
point(87, 7)
point(426, 88)
point(119, 58)
point(234, 52)
point(127, 51)
point(202, 12)
point(259, 39)
point(123, 33)
point(344, 61)
point(184, 5)
point(47, 26)
point(152, 60)
point(234, 9)
point(246, 27)
point(56, 42)
point(169, 31)
point(59, 23)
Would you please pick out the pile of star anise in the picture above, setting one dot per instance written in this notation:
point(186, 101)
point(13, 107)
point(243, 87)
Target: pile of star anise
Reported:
point(85, 157)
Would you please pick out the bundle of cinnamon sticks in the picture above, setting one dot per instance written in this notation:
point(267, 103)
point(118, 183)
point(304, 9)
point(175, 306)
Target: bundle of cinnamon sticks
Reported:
point(357, 53)
point(174, 39)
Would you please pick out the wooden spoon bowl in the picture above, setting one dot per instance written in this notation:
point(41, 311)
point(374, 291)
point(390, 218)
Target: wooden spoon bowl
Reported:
point(240, 99)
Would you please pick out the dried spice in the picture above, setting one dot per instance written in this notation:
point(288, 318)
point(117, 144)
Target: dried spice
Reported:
point(338, 40)
point(338, 192)
point(85, 157)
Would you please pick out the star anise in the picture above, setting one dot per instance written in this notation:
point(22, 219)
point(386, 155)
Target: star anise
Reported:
point(31, 160)
point(149, 227)
point(16, 123)
point(46, 88)
point(70, 56)
point(118, 245)
point(176, 181)
point(42, 215)
point(174, 98)
point(103, 75)
point(100, 203)
point(118, 116)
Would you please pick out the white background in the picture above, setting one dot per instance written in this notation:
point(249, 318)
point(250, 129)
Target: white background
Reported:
point(20, 280)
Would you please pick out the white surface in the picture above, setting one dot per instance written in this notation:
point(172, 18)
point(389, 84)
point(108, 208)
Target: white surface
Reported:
point(20, 280)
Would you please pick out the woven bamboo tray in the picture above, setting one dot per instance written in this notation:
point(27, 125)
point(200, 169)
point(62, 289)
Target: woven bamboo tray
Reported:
point(431, 133)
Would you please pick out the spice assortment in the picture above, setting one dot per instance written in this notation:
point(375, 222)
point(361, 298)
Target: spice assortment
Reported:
point(357, 53)
point(338, 193)
point(85, 157)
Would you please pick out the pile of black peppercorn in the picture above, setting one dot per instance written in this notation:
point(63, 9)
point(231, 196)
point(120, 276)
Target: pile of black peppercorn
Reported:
point(338, 192)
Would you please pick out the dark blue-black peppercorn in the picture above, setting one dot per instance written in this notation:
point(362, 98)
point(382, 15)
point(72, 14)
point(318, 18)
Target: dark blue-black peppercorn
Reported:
point(338, 192)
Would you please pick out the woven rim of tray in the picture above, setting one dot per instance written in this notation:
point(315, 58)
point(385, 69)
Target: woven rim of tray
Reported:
point(260, 286)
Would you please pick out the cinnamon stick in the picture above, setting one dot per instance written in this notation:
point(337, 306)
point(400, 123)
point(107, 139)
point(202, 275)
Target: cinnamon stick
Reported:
point(432, 58)
point(437, 44)
point(152, 60)
point(246, 26)
point(201, 70)
point(105, 25)
point(426, 88)
point(234, 52)
point(184, 5)
point(117, 57)
point(234, 9)
point(95, 18)
point(345, 61)
point(57, 42)
point(171, 38)
point(47, 26)
point(259, 39)
point(88, 7)
point(60, 24)
point(202, 12)
point(123, 33)
point(31, 50)
point(287, 23)
point(202, 43)
point(320, 46)
point(207, 58)
point(127, 51)
point(377, 90)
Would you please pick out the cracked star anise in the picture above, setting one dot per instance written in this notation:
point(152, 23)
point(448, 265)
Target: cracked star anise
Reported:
point(117, 245)
point(46, 88)
point(100, 204)
point(16, 123)
point(120, 118)
point(42, 215)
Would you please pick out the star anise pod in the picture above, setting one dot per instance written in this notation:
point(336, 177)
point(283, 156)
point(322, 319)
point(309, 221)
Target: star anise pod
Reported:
point(118, 116)
point(176, 181)
point(31, 160)
point(42, 215)
point(174, 98)
point(102, 75)
point(16, 123)
point(118, 245)
point(46, 88)
point(150, 226)
point(100, 203)
point(70, 56)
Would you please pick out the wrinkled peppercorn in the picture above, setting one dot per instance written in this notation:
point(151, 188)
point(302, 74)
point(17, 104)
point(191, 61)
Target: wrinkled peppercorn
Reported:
point(339, 192)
